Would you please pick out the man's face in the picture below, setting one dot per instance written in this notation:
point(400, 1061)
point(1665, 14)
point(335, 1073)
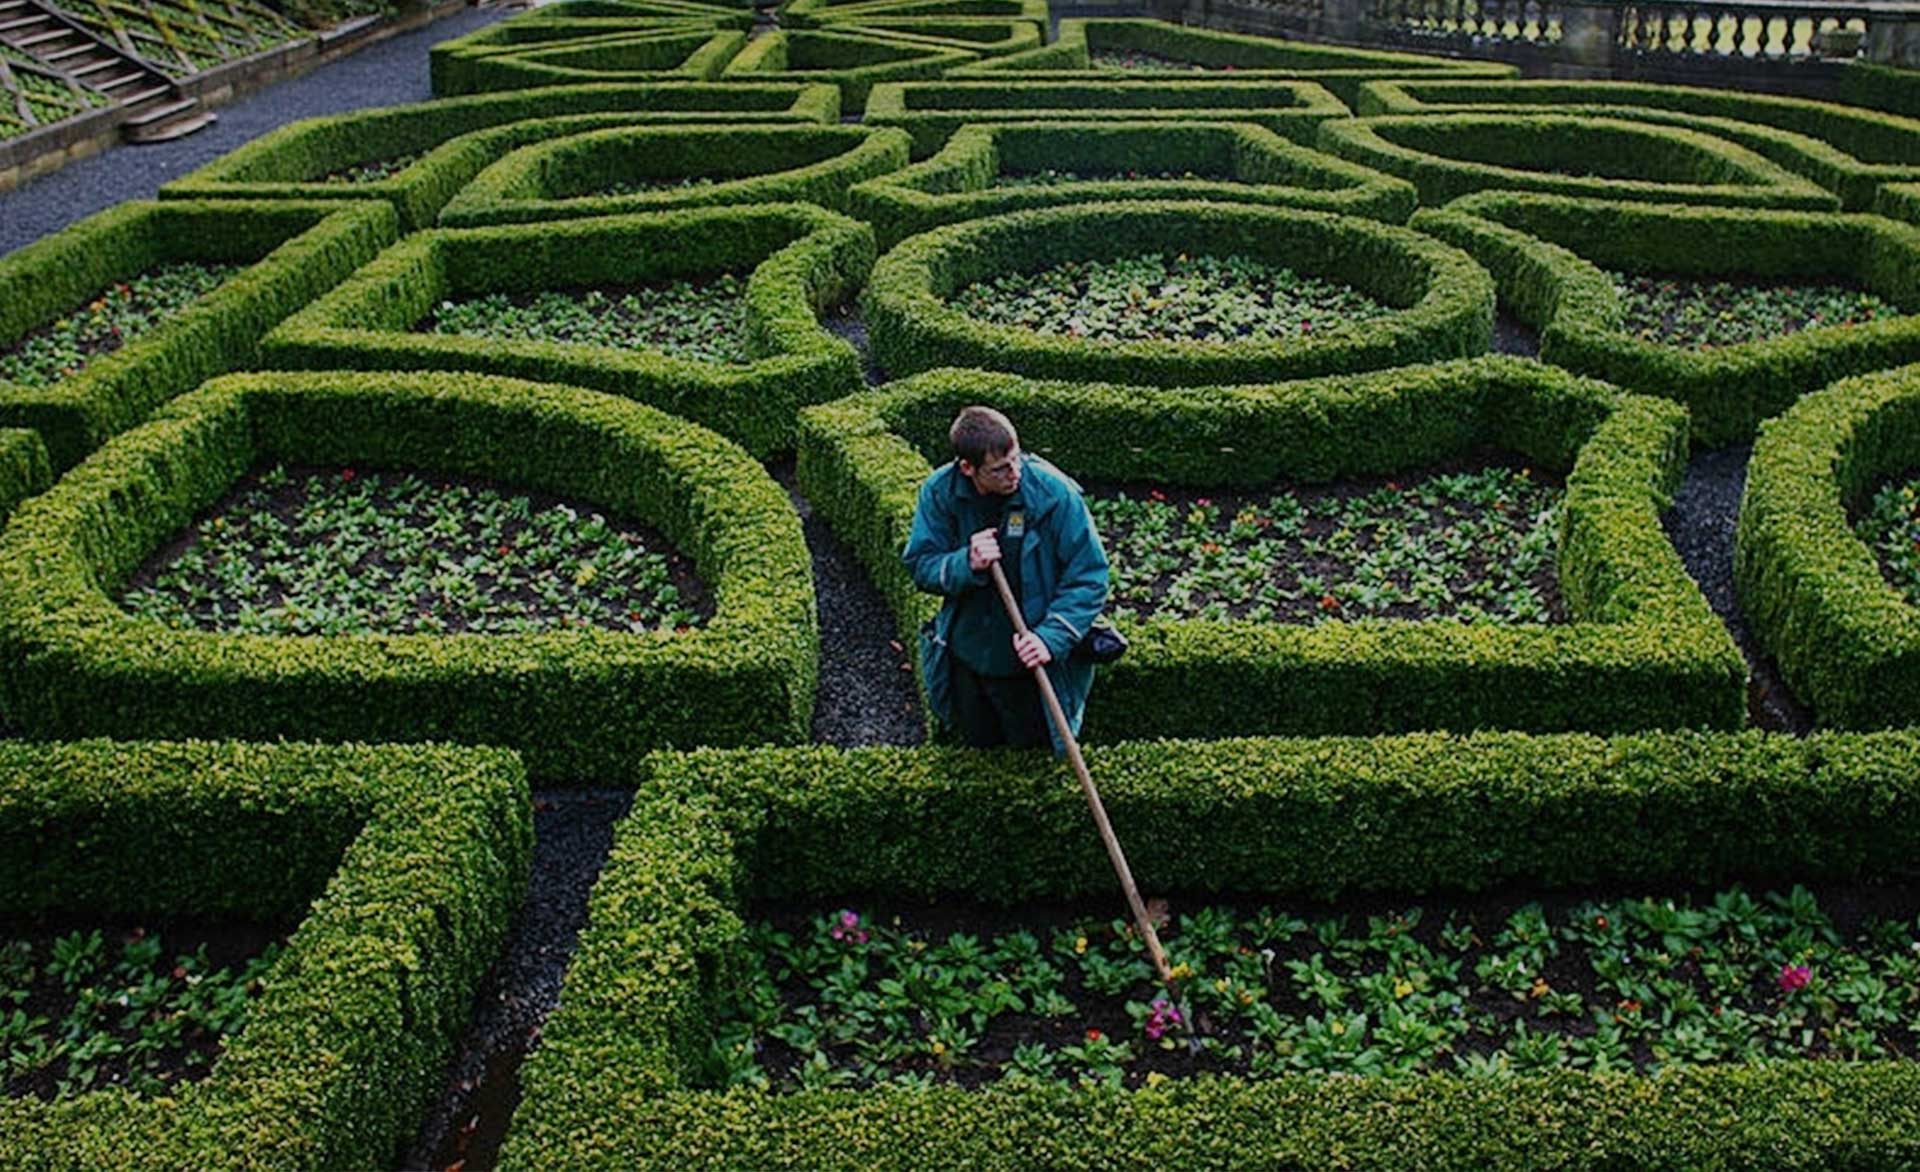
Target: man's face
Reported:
point(999, 474)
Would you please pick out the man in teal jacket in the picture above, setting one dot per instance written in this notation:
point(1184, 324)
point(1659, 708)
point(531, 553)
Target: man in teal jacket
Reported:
point(995, 503)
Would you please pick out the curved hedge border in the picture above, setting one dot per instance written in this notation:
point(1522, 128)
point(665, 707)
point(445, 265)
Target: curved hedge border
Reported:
point(958, 183)
point(1882, 87)
point(576, 703)
point(1342, 70)
point(450, 63)
point(984, 35)
point(423, 856)
point(1718, 171)
point(1899, 200)
point(24, 468)
point(1847, 641)
point(752, 165)
point(1643, 649)
point(801, 258)
point(294, 252)
point(844, 57)
point(826, 13)
point(462, 136)
point(1848, 151)
point(932, 111)
point(1444, 301)
point(611, 1084)
point(696, 55)
point(1545, 253)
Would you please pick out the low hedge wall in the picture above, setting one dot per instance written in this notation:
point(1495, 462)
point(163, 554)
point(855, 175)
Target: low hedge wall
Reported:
point(1882, 87)
point(801, 260)
point(577, 703)
point(1846, 640)
point(1444, 301)
point(1450, 155)
point(1848, 151)
point(985, 35)
point(558, 179)
point(418, 857)
point(1231, 163)
point(1899, 200)
point(612, 1084)
point(450, 63)
point(825, 13)
point(1643, 650)
point(693, 55)
point(1342, 70)
point(1547, 253)
point(932, 111)
point(458, 137)
point(294, 252)
point(25, 470)
point(843, 57)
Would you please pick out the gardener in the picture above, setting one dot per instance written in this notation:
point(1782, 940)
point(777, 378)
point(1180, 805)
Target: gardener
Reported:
point(995, 503)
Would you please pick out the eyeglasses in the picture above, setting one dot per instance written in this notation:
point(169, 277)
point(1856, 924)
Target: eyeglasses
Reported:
point(1004, 470)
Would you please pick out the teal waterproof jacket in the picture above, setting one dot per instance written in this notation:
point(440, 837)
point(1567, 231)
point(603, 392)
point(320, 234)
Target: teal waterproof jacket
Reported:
point(1063, 579)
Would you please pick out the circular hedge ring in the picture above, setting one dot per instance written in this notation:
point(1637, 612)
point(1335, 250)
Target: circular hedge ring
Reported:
point(663, 168)
point(1442, 300)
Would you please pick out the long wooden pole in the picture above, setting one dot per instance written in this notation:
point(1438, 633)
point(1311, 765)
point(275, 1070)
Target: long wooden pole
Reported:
point(1119, 857)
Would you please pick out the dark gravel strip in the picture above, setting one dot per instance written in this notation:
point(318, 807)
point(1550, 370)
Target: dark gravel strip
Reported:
point(386, 74)
point(1511, 337)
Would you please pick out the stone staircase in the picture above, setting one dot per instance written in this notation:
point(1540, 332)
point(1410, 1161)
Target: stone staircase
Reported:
point(156, 109)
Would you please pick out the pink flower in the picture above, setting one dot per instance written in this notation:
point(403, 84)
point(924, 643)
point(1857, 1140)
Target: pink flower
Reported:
point(1794, 976)
point(1162, 1016)
point(848, 928)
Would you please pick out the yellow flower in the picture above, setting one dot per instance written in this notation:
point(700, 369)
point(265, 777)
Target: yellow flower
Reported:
point(1080, 945)
point(1220, 986)
point(1402, 987)
point(587, 574)
point(938, 1047)
point(1182, 971)
point(1337, 1027)
point(1155, 1078)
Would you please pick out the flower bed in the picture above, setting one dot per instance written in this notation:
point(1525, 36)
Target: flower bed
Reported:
point(972, 176)
point(1814, 592)
point(576, 176)
point(117, 317)
point(705, 321)
point(663, 55)
point(1447, 156)
point(288, 252)
point(845, 57)
point(795, 258)
point(1677, 311)
point(459, 137)
point(1442, 301)
point(1846, 150)
point(853, 13)
point(1548, 255)
point(1890, 525)
point(1640, 648)
point(418, 858)
point(576, 702)
point(614, 1083)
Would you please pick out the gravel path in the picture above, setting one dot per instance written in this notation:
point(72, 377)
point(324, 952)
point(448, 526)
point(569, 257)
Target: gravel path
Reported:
point(386, 74)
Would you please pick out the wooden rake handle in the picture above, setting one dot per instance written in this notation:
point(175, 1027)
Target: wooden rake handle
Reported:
point(1119, 857)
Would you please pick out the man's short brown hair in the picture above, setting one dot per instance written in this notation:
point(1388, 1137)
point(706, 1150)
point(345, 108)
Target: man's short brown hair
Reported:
point(980, 432)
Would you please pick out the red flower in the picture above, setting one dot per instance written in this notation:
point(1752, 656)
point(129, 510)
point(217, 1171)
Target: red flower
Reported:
point(1794, 976)
point(346, 474)
point(1093, 1035)
point(1156, 494)
point(1329, 602)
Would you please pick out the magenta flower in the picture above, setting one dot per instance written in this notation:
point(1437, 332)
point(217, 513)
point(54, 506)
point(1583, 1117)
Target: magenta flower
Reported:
point(1794, 976)
point(848, 928)
point(1162, 1016)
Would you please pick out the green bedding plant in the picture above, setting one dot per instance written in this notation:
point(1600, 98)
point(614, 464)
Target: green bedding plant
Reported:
point(102, 324)
point(129, 1013)
point(1474, 545)
point(344, 552)
point(1702, 314)
point(1891, 529)
point(1610, 984)
point(1136, 61)
point(1218, 299)
point(702, 320)
point(1050, 177)
point(373, 170)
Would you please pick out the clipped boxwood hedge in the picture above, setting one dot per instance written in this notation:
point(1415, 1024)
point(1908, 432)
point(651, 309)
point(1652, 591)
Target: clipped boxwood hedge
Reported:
point(801, 259)
point(1846, 640)
point(576, 703)
point(825, 13)
point(560, 179)
point(25, 469)
point(931, 111)
point(458, 137)
point(1883, 87)
point(1451, 155)
point(1547, 255)
point(450, 63)
point(845, 57)
point(418, 857)
point(1444, 301)
point(693, 54)
point(1847, 151)
point(294, 252)
point(1643, 650)
point(1900, 200)
point(612, 1084)
point(1339, 68)
point(988, 36)
point(1233, 163)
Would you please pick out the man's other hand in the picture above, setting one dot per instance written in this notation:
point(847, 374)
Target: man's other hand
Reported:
point(983, 550)
point(1032, 650)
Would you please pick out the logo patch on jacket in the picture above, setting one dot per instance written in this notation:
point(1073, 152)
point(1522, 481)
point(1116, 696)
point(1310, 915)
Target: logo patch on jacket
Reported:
point(1017, 523)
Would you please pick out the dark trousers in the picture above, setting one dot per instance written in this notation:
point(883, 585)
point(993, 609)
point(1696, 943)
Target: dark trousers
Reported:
point(998, 710)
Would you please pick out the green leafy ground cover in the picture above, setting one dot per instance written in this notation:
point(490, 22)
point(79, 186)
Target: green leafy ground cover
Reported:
point(1891, 528)
point(373, 170)
point(704, 320)
point(1476, 545)
point(642, 186)
point(107, 321)
point(1487, 987)
point(1052, 178)
point(1677, 311)
point(1181, 298)
point(342, 552)
point(1135, 61)
point(85, 1010)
